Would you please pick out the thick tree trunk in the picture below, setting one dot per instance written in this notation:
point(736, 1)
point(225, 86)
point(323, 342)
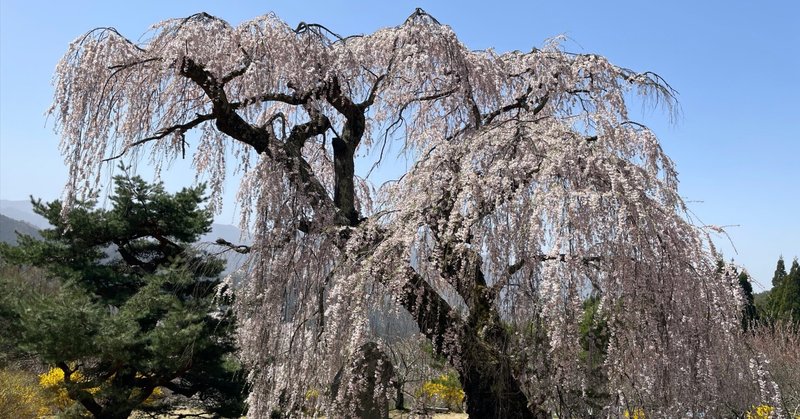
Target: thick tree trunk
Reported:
point(486, 374)
point(495, 395)
point(492, 391)
point(399, 399)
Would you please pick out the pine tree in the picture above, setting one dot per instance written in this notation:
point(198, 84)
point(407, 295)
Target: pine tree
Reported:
point(790, 294)
point(780, 273)
point(135, 308)
point(783, 300)
point(749, 312)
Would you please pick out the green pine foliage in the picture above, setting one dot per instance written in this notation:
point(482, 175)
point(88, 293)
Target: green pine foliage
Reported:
point(749, 311)
point(789, 296)
point(782, 302)
point(780, 273)
point(133, 307)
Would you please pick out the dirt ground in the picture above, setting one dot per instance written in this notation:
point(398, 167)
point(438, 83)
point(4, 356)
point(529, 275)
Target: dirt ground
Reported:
point(396, 415)
point(392, 415)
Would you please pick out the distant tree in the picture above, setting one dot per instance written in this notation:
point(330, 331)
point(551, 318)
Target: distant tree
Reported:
point(412, 365)
point(134, 307)
point(749, 311)
point(530, 187)
point(780, 273)
point(782, 302)
point(789, 295)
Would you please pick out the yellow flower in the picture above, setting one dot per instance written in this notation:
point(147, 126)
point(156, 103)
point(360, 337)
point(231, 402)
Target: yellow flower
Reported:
point(435, 390)
point(21, 397)
point(638, 413)
point(761, 411)
point(312, 394)
point(53, 381)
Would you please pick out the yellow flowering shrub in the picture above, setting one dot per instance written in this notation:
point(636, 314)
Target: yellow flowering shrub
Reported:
point(53, 381)
point(312, 395)
point(311, 399)
point(762, 411)
point(638, 413)
point(154, 396)
point(443, 390)
point(20, 397)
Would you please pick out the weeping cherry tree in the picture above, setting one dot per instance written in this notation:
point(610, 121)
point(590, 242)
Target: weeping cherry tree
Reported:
point(529, 191)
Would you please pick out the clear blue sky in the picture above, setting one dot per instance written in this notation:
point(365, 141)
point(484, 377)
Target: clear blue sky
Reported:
point(735, 64)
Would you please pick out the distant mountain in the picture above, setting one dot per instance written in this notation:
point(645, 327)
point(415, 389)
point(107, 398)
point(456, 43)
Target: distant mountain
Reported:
point(23, 211)
point(9, 228)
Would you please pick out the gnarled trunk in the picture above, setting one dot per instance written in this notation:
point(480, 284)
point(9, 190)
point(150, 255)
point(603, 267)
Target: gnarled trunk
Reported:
point(483, 366)
point(495, 394)
point(400, 397)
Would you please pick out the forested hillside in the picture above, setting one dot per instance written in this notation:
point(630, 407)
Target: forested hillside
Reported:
point(9, 227)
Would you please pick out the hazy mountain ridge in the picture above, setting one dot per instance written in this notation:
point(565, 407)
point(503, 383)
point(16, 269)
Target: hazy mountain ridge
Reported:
point(9, 228)
point(22, 211)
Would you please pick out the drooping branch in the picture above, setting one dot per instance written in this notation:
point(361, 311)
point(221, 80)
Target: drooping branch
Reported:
point(239, 71)
point(125, 66)
point(420, 13)
point(520, 103)
point(180, 130)
point(373, 91)
point(301, 133)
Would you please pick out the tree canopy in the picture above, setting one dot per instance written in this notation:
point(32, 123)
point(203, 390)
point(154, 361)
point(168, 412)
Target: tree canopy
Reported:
point(530, 190)
point(783, 300)
point(132, 308)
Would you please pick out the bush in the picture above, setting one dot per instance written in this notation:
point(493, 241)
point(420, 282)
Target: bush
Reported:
point(52, 381)
point(761, 412)
point(22, 397)
point(444, 390)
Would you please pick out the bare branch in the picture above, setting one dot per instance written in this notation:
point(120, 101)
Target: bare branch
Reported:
point(175, 129)
point(238, 72)
point(238, 248)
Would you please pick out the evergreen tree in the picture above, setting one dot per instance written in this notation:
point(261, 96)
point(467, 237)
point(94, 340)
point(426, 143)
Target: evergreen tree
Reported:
point(790, 294)
point(780, 273)
point(135, 308)
point(774, 301)
point(749, 312)
point(783, 300)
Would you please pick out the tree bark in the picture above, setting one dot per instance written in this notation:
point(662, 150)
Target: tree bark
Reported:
point(483, 366)
point(400, 397)
point(493, 392)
